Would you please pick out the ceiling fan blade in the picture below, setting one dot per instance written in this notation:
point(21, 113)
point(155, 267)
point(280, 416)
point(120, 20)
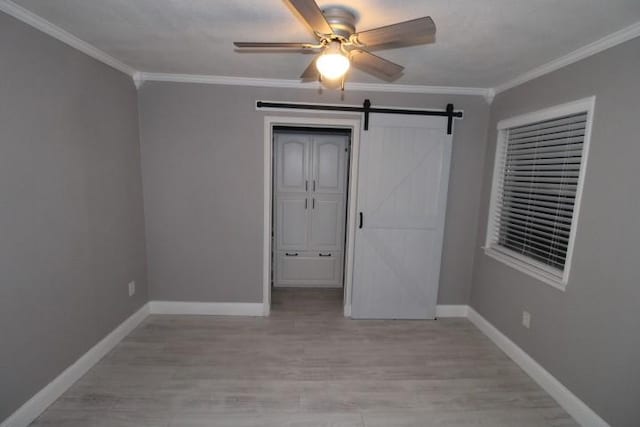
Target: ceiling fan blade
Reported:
point(374, 64)
point(311, 13)
point(311, 72)
point(267, 45)
point(416, 31)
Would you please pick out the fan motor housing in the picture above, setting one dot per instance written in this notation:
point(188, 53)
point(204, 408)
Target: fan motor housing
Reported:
point(342, 20)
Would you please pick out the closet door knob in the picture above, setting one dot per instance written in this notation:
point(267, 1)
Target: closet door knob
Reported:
point(314, 185)
point(361, 220)
point(306, 185)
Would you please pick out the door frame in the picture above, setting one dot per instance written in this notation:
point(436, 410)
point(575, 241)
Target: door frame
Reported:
point(350, 229)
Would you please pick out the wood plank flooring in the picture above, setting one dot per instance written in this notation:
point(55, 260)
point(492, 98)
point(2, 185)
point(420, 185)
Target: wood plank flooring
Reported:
point(305, 365)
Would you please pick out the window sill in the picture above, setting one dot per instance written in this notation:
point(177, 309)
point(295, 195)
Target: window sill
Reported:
point(526, 268)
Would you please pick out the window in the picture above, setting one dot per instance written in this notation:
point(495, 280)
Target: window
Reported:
point(537, 182)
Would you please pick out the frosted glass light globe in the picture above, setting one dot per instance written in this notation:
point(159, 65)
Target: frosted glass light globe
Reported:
point(332, 65)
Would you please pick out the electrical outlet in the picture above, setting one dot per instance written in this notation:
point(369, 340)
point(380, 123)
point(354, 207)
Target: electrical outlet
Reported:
point(526, 319)
point(132, 288)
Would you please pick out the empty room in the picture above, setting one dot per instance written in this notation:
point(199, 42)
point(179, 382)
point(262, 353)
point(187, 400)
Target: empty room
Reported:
point(319, 213)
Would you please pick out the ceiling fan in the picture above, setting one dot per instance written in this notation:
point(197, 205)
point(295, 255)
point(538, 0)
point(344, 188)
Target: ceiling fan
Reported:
point(339, 45)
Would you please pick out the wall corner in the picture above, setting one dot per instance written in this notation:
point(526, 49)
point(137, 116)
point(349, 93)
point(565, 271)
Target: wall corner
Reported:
point(138, 79)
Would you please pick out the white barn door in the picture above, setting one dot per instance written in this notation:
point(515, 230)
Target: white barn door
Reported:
point(402, 196)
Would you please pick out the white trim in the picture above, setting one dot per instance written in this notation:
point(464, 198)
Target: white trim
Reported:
point(347, 310)
point(442, 311)
point(45, 397)
point(490, 95)
point(580, 105)
point(30, 410)
point(36, 21)
point(58, 33)
point(352, 212)
point(598, 46)
point(309, 286)
point(207, 308)
point(527, 266)
point(522, 263)
point(269, 122)
point(451, 310)
point(137, 79)
point(296, 84)
point(267, 227)
point(570, 402)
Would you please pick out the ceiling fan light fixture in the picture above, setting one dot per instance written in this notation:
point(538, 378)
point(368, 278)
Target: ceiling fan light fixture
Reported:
point(333, 63)
point(339, 43)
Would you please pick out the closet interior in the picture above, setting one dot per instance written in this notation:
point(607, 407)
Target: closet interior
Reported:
point(309, 206)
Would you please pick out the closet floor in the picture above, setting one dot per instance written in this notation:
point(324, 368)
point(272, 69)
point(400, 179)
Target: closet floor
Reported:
point(305, 365)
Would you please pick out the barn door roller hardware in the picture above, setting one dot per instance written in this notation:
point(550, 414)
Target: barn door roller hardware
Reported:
point(367, 109)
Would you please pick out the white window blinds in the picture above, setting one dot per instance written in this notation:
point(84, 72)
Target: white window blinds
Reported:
point(538, 167)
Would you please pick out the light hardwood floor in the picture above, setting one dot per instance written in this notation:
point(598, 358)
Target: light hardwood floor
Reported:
point(305, 365)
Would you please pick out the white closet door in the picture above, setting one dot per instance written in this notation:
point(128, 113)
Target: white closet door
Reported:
point(328, 160)
point(309, 208)
point(327, 217)
point(293, 152)
point(402, 194)
point(292, 217)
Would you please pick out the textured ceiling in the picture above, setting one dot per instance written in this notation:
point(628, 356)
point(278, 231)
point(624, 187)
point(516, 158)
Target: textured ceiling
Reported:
point(479, 43)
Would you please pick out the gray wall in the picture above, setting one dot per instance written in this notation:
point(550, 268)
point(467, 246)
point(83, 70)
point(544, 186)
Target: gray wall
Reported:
point(588, 337)
point(71, 218)
point(202, 163)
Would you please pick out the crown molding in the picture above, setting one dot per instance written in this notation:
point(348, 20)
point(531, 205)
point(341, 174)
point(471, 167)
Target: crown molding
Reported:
point(598, 46)
point(34, 20)
point(30, 18)
point(296, 84)
point(490, 95)
point(138, 81)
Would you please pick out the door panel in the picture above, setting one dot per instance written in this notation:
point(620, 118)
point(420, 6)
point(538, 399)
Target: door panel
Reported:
point(327, 217)
point(292, 162)
point(329, 163)
point(292, 216)
point(402, 188)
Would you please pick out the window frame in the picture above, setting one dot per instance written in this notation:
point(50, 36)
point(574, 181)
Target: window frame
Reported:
point(539, 270)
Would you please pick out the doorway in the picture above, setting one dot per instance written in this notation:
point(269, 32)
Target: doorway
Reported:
point(394, 230)
point(309, 175)
point(310, 169)
point(309, 199)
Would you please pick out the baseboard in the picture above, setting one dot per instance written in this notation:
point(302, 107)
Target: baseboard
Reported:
point(31, 409)
point(451, 310)
point(302, 286)
point(584, 415)
point(207, 308)
point(441, 311)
